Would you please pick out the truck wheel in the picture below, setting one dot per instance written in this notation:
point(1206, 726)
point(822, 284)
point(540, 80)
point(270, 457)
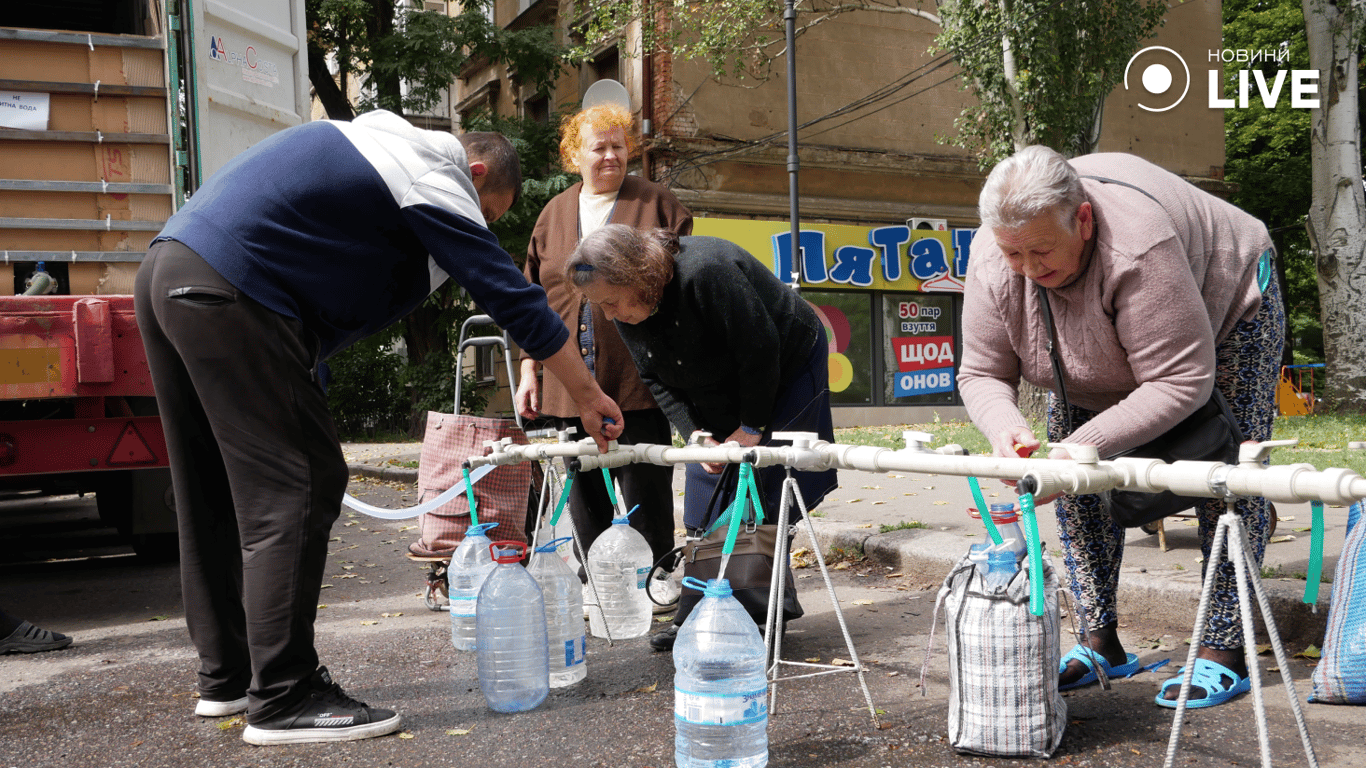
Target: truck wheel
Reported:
point(139, 504)
point(114, 500)
point(157, 547)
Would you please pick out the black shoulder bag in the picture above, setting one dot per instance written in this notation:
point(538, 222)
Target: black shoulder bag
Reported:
point(1211, 433)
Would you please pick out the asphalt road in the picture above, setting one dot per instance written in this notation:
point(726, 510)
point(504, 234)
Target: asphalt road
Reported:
point(122, 695)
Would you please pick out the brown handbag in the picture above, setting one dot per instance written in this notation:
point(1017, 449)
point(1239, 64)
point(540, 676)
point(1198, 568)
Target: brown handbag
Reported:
point(749, 570)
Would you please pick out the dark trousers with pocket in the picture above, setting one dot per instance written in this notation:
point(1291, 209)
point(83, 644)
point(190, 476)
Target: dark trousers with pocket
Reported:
point(257, 470)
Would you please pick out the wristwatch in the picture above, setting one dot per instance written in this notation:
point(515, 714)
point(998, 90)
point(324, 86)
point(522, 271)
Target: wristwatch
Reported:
point(750, 430)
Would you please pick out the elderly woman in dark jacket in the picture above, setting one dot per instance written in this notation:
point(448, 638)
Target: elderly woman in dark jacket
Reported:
point(723, 344)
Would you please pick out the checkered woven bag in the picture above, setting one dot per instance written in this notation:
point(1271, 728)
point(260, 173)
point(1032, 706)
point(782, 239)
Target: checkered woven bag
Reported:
point(1003, 665)
point(501, 496)
point(1340, 676)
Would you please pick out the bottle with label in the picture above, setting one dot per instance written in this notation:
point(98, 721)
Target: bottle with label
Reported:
point(619, 563)
point(470, 565)
point(563, 613)
point(510, 625)
point(720, 686)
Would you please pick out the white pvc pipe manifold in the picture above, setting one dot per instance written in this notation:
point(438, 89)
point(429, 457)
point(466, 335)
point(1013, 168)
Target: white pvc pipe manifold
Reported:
point(1287, 483)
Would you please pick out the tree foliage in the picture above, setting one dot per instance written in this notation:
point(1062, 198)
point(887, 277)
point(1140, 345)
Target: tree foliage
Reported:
point(408, 57)
point(1267, 157)
point(1040, 69)
point(739, 39)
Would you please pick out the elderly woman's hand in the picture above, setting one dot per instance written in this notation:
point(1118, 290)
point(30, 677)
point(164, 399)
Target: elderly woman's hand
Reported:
point(1014, 442)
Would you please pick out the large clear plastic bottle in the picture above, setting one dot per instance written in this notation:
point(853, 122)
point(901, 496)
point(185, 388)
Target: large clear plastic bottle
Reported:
point(1002, 565)
point(720, 689)
point(563, 613)
point(470, 565)
point(510, 625)
point(619, 563)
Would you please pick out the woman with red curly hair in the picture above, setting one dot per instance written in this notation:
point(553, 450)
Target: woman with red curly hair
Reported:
point(597, 143)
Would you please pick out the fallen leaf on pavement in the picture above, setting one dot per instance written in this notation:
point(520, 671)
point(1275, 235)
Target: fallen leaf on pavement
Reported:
point(457, 731)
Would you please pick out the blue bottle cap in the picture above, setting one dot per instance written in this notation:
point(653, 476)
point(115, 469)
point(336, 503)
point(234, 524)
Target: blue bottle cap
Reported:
point(554, 544)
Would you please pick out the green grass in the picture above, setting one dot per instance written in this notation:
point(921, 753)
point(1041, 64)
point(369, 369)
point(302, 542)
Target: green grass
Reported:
point(1280, 573)
point(1322, 439)
point(902, 526)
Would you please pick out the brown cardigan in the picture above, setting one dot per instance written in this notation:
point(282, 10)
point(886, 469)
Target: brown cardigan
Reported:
point(640, 203)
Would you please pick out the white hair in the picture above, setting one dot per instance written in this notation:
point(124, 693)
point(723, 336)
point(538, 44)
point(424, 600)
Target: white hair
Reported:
point(1028, 184)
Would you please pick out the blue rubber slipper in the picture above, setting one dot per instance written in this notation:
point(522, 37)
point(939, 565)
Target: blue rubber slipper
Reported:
point(1219, 682)
point(1089, 657)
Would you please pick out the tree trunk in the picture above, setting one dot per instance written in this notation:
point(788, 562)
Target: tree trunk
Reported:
point(336, 104)
point(1019, 128)
point(388, 90)
point(1337, 215)
point(1033, 403)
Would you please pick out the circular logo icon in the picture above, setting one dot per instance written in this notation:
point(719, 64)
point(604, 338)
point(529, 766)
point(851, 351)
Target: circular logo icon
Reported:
point(1155, 76)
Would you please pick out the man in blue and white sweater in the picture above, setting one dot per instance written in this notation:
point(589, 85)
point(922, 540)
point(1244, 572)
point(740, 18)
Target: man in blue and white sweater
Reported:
point(316, 237)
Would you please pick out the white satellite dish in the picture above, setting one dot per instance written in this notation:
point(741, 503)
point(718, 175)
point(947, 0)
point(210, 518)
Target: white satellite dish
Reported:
point(606, 92)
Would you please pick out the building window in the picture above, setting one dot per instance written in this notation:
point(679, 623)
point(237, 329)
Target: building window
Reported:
point(606, 66)
point(484, 361)
point(537, 108)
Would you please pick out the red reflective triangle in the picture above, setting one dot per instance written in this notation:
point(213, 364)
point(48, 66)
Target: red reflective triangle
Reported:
point(131, 448)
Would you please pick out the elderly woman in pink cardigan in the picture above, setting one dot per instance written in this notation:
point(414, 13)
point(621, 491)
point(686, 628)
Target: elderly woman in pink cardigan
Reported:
point(1159, 292)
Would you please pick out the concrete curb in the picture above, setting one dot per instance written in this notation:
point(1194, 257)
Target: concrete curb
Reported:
point(1175, 595)
point(396, 474)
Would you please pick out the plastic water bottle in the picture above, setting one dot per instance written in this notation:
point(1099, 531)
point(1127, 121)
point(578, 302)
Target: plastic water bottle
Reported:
point(510, 625)
point(1007, 519)
point(720, 688)
point(563, 613)
point(471, 563)
point(619, 564)
point(1002, 566)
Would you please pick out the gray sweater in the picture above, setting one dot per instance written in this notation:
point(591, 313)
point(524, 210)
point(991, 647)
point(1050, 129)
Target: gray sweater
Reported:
point(1138, 330)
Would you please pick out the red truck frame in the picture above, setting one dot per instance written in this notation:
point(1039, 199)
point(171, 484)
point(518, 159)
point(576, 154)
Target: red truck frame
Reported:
point(78, 413)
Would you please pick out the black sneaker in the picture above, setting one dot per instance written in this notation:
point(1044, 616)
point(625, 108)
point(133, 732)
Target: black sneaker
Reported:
point(325, 714)
point(27, 638)
point(664, 641)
